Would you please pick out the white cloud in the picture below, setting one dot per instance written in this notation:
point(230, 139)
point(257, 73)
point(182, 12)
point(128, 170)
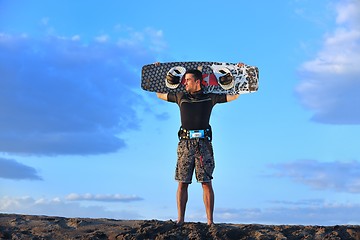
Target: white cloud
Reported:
point(103, 197)
point(45, 21)
point(349, 12)
point(156, 39)
point(59, 207)
point(338, 176)
point(301, 212)
point(320, 213)
point(102, 38)
point(11, 169)
point(150, 37)
point(59, 95)
point(305, 212)
point(76, 38)
point(331, 81)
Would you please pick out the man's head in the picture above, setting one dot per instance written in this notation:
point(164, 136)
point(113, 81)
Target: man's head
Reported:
point(193, 79)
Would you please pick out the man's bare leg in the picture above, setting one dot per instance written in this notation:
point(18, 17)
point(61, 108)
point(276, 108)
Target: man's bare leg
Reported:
point(182, 198)
point(208, 195)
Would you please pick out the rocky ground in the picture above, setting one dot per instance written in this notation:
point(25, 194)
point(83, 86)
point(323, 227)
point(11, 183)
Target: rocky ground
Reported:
point(14, 226)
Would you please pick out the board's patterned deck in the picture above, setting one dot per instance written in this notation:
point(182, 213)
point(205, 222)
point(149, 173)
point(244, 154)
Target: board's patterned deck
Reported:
point(246, 77)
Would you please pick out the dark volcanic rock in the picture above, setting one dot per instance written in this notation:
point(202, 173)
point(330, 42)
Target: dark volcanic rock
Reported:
point(14, 226)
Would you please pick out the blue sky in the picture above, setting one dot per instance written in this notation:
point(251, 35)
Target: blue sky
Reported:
point(80, 138)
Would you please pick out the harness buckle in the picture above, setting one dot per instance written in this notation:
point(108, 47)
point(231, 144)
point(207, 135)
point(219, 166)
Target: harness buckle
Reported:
point(196, 134)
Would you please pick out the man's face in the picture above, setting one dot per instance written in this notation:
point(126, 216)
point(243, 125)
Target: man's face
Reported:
point(191, 85)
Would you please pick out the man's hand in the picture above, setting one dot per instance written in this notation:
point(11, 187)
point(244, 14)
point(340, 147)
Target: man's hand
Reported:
point(230, 98)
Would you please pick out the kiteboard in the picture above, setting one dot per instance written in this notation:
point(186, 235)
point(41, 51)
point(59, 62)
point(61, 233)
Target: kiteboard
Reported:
point(218, 77)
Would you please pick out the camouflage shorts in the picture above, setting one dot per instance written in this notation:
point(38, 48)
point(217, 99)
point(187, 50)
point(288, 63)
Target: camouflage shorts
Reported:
point(194, 154)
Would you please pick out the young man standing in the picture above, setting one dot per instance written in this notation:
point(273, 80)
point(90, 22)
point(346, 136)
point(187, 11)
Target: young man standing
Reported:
point(195, 149)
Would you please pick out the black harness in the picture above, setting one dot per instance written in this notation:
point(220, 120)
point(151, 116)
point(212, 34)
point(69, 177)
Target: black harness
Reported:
point(185, 134)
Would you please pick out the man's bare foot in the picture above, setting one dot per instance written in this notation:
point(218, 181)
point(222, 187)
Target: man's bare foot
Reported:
point(180, 223)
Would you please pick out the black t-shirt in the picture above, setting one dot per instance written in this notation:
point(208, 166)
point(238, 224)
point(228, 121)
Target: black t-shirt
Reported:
point(195, 109)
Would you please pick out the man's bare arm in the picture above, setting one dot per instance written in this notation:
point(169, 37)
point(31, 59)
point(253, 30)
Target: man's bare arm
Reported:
point(230, 98)
point(162, 96)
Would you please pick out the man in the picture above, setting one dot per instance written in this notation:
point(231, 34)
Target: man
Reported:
point(195, 149)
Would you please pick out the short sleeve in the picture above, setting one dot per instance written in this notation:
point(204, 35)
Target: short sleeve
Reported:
point(218, 98)
point(171, 97)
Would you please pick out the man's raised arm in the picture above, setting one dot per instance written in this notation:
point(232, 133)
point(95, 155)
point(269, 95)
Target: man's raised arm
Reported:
point(230, 98)
point(162, 96)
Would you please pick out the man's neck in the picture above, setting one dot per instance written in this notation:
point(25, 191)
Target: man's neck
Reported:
point(197, 90)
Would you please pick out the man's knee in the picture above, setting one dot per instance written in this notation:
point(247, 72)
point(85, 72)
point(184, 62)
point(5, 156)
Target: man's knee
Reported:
point(183, 186)
point(206, 185)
